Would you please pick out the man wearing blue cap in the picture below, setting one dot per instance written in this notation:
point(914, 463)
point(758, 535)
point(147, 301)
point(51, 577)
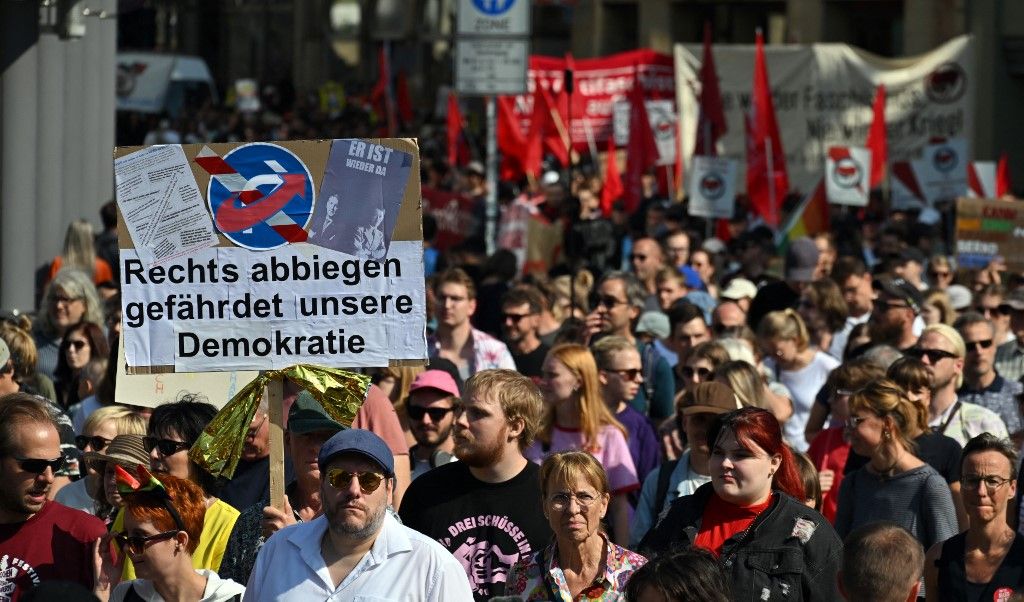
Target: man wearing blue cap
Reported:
point(356, 549)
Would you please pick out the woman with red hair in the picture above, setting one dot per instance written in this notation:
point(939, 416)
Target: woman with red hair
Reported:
point(752, 517)
point(162, 523)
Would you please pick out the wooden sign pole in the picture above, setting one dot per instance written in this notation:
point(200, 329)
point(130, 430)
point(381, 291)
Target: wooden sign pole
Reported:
point(275, 404)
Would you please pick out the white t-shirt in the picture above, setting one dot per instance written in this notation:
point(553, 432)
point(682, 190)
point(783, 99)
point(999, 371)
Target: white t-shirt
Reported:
point(804, 385)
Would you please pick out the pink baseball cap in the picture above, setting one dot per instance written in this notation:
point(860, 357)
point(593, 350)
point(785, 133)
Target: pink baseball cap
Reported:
point(435, 379)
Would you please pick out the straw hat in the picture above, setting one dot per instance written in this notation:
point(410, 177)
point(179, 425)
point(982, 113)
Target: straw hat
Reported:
point(126, 450)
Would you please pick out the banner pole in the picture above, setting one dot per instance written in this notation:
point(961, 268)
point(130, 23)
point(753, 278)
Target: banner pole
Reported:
point(490, 223)
point(275, 404)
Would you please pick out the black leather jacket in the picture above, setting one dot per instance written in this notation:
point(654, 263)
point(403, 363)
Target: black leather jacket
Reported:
point(774, 559)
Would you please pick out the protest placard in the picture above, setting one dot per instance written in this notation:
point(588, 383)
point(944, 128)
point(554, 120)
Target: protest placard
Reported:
point(318, 260)
point(986, 228)
point(712, 187)
point(847, 175)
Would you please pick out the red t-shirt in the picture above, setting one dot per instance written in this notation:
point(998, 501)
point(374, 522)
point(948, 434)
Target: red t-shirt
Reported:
point(829, 451)
point(722, 520)
point(55, 544)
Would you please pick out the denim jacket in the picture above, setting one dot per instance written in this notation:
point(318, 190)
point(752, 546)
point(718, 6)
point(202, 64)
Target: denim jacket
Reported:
point(789, 553)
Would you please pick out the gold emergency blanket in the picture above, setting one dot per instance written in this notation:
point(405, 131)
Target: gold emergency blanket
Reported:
point(219, 447)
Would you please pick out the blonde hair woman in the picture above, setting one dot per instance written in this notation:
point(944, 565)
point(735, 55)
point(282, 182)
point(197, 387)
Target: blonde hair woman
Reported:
point(80, 254)
point(937, 308)
point(895, 485)
point(788, 355)
point(576, 417)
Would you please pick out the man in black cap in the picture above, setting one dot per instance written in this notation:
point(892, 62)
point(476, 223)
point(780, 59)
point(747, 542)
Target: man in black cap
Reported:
point(896, 306)
point(801, 263)
point(356, 549)
point(309, 427)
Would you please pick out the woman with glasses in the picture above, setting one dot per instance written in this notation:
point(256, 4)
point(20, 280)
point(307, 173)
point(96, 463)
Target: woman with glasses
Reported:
point(70, 298)
point(941, 271)
point(86, 494)
point(803, 369)
point(895, 484)
point(576, 417)
point(582, 563)
point(751, 516)
point(82, 343)
point(162, 529)
point(173, 429)
point(985, 562)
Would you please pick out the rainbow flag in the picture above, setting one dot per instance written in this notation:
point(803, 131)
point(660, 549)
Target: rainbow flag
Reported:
point(809, 218)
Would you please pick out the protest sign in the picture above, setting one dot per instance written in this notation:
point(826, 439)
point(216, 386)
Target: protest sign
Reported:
point(942, 170)
point(981, 180)
point(453, 213)
point(712, 187)
point(823, 97)
point(847, 175)
point(986, 228)
point(318, 259)
point(662, 116)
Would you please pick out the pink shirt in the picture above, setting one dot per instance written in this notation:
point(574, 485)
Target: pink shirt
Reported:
point(612, 453)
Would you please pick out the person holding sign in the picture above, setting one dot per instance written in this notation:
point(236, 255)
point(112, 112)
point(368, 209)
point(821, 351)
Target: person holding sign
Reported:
point(356, 549)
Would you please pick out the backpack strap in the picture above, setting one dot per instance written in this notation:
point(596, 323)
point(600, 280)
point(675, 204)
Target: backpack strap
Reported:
point(664, 476)
point(650, 360)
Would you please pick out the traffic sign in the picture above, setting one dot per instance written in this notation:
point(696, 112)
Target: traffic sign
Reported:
point(494, 17)
point(491, 66)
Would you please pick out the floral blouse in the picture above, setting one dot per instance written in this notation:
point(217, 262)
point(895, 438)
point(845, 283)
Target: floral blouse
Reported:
point(539, 578)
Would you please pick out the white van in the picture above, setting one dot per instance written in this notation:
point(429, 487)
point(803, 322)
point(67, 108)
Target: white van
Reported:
point(149, 82)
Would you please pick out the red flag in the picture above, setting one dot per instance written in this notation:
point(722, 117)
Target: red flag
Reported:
point(534, 155)
point(767, 181)
point(555, 134)
point(711, 120)
point(1003, 176)
point(511, 142)
point(877, 139)
point(380, 96)
point(641, 152)
point(404, 100)
point(612, 188)
point(458, 149)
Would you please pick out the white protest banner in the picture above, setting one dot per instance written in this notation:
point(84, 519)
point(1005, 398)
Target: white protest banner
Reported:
point(981, 179)
point(942, 170)
point(847, 175)
point(661, 114)
point(319, 261)
point(823, 95)
point(712, 187)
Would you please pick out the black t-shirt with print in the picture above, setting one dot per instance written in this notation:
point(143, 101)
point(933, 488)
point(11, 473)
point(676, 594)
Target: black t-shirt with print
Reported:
point(486, 526)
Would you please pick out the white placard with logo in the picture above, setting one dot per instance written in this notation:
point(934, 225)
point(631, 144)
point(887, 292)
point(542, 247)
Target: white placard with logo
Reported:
point(712, 187)
point(942, 170)
point(847, 175)
point(662, 116)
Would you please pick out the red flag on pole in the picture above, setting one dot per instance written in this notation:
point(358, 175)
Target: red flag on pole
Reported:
point(767, 181)
point(458, 148)
point(511, 141)
point(555, 133)
point(534, 153)
point(711, 123)
point(612, 188)
point(381, 96)
point(877, 141)
point(1003, 176)
point(641, 152)
point(404, 100)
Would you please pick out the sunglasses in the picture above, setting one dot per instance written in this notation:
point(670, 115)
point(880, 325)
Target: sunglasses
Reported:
point(610, 302)
point(77, 345)
point(637, 257)
point(136, 544)
point(368, 481)
point(39, 466)
point(629, 373)
point(978, 345)
point(96, 441)
point(940, 274)
point(436, 414)
point(701, 372)
point(991, 311)
point(515, 318)
point(933, 355)
point(167, 447)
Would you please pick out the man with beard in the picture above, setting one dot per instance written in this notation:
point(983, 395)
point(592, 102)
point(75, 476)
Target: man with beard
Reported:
point(486, 508)
point(430, 406)
point(40, 540)
point(356, 549)
point(520, 309)
point(895, 307)
point(942, 349)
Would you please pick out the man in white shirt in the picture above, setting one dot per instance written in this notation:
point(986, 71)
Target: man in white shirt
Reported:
point(357, 550)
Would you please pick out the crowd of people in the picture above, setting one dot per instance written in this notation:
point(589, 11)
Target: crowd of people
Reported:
point(663, 415)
